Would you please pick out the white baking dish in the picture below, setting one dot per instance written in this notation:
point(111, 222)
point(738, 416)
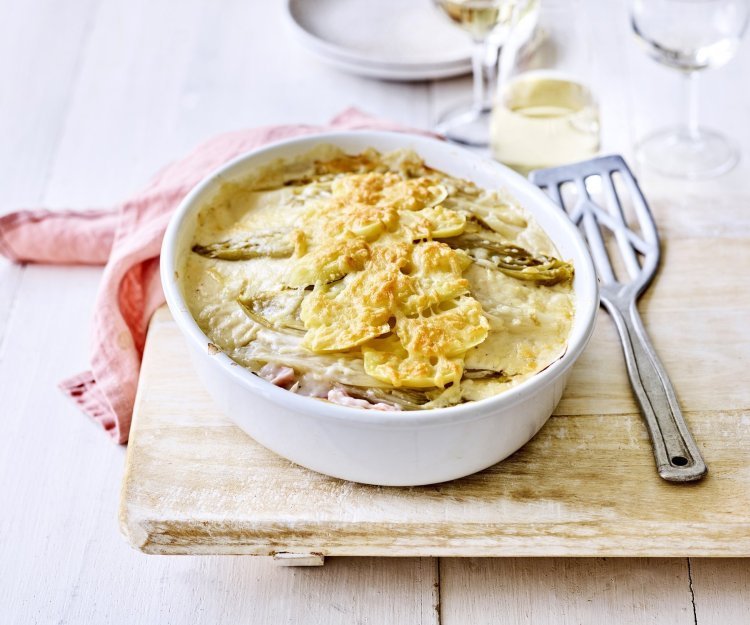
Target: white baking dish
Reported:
point(387, 448)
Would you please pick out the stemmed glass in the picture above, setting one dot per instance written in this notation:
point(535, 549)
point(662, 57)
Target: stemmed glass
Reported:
point(689, 35)
point(469, 124)
point(545, 113)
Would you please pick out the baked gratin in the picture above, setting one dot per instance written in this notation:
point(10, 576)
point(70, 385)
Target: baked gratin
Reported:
point(372, 280)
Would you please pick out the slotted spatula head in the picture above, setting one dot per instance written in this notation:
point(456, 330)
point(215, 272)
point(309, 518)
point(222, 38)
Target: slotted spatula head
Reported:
point(604, 224)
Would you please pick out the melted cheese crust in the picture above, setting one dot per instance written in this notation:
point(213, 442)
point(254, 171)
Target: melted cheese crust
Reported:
point(357, 283)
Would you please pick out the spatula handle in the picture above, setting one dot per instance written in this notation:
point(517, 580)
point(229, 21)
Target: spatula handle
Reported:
point(677, 455)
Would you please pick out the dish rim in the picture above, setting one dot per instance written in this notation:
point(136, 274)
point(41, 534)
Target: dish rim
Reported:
point(586, 300)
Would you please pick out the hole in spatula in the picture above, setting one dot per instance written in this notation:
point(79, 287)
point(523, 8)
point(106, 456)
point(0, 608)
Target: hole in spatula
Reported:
point(679, 461)
point(626, 201)
point(594, 187)
point(569, 196)
point(610, 194)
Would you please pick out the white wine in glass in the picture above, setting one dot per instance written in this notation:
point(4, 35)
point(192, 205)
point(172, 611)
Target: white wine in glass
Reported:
point(545, 113)
point(477, 17)
point(544, 118)
point(469, 124)
point(689, 36)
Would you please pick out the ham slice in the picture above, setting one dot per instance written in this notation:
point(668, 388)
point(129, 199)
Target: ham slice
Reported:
point(285, 377)
point(278, 374)
point(341, 397)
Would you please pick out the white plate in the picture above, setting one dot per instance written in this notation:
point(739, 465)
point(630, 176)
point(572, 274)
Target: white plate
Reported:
point(388, 73)
point(391, 39)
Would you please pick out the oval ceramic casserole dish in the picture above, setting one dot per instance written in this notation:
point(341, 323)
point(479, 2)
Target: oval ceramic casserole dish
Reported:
point(385, 448)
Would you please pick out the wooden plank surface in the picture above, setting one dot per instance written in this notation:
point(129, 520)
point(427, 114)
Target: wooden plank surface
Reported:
point(565, 591)
point(696, 316)
point(585, 486)
point(722, 590)
point(96, 95)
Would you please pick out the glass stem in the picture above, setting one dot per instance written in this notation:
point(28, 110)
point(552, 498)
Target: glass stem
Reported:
point(477, 67)
point(491, 69)
point(691, 82)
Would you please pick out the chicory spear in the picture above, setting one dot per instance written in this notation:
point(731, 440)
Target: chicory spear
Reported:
point(406, 398)
point(254, 309)
point(514, 260)
point(270, 244)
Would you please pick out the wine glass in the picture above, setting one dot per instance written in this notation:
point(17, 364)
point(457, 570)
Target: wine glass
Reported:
point(689, 35)
point(545, 113)
point(469, 124)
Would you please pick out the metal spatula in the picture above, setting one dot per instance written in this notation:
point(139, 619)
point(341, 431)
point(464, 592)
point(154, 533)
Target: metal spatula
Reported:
point(677, 455)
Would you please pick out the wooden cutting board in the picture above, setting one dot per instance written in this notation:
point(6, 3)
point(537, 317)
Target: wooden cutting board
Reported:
point(584, 486)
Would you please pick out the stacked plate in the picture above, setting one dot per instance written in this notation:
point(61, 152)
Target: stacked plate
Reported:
point(388, 39)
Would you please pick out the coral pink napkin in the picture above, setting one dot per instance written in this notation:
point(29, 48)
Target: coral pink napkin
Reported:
point(127, 238)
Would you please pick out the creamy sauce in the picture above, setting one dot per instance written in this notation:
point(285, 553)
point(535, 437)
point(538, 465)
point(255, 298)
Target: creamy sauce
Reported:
point(377, 281)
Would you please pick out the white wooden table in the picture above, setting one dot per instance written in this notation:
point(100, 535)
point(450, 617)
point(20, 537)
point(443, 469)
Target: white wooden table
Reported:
point(95, 95)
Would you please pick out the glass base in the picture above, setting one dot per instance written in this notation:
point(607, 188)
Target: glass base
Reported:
point(675, 152)
point(466, 125)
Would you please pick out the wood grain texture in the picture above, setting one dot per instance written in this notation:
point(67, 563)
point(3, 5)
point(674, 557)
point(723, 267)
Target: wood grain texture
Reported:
point(722, 590)
point(699, 333)
point(584, 486)
point(571, 591)
point(377, 591)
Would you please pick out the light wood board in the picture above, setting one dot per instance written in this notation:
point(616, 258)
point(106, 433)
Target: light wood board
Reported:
point(584, 486)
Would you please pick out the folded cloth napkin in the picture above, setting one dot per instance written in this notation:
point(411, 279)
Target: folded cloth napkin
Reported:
point(127, 239)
